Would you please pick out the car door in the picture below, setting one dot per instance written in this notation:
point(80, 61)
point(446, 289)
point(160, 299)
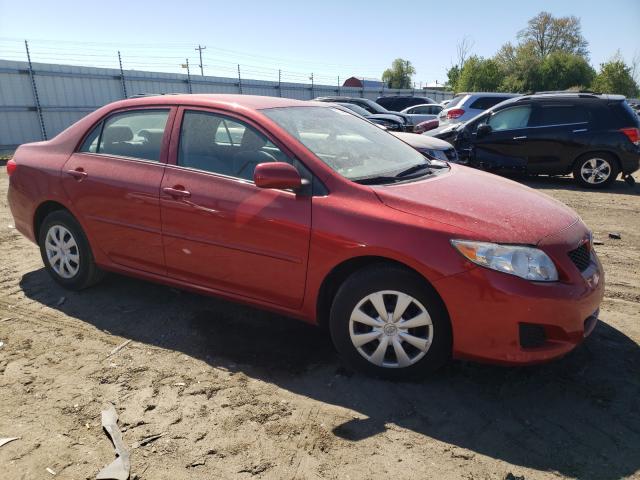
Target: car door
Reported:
point(222, 232)
point(422, 113)
point(558, 132)
point(505, 145)
point(113, 183)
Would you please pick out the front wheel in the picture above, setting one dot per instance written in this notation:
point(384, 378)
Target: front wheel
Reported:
point(66, 252)
point(386, 321)
point(597, 170)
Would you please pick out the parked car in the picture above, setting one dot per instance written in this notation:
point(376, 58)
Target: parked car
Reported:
point(307, 210)
point(432, 147)
point(397, 103)
point(426, 126)
point(423, 112)
point(465, 106)
point(370, 106)
point(595, 137)
point(390, 122)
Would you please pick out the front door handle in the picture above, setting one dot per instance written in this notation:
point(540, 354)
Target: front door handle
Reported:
point(79, 173)
point(176, 192)
point(523, 137)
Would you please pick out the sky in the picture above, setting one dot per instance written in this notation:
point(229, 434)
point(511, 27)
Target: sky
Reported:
point(328, 38)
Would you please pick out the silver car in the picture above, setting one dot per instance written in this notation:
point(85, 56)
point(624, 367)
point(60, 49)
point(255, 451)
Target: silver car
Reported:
point(423, 112)
point(467, 105)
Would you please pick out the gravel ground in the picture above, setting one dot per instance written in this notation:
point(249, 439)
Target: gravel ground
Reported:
point(239, 393)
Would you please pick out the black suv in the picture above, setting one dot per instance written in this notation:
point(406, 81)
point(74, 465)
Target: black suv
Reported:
point(596, 137)
point(399, 102)
point(371, 107)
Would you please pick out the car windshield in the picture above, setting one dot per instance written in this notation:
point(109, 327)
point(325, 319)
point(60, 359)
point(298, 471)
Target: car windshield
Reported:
point(356, 108)
point(376, 107)
point(353, 147)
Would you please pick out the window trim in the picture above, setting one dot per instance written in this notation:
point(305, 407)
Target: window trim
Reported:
point(164, 144)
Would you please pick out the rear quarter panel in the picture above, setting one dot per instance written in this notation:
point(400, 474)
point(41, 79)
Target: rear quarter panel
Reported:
point(36, 180)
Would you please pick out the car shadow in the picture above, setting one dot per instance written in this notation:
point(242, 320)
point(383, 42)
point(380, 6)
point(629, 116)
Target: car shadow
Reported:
point(543, 182)
point(579, 416)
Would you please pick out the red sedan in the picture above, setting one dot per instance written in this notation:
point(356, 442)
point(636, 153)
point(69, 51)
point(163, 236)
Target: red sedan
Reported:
point(304, 209)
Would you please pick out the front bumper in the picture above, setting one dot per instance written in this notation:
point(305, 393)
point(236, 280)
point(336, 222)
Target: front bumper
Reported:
point(489, 309)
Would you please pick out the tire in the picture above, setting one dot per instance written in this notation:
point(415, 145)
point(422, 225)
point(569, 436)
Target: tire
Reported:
point(430, 338)
point(596, 170)
point(74, 267)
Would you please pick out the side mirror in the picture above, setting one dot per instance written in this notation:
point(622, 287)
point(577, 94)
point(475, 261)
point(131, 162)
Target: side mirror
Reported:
point(277, 175)
point(483, 130)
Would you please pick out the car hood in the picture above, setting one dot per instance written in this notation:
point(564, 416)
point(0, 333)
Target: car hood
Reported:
point(492, 208)
point(442, 130)
point(420, 142)
point(386, 116)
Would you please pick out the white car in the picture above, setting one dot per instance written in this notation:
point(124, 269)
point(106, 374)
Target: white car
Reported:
point(423, 112)
point(467, 105)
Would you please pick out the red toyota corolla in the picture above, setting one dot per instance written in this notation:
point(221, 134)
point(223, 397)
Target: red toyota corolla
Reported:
point(307, 210)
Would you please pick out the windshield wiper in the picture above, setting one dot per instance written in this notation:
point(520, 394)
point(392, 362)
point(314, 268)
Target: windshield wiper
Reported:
point(413, 169)
point(376, 180)
point(409, 173)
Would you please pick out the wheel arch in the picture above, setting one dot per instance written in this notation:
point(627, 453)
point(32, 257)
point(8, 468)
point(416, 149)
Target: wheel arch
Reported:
point(44, 209)
point(339, 273)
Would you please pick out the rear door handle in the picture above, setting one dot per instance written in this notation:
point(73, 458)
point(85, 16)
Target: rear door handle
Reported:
point(78, 173)
point(523, 137)
point(580, 130)
point(176, 192)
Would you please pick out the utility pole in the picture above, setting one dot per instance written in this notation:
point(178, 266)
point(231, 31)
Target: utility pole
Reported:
point(200, 48)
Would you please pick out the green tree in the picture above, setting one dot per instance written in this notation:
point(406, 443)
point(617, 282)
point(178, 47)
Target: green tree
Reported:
point(399, 75)
point(548, 34)
point(479, 75)
point(615, 76)
point(453, 74)
point(562, 71)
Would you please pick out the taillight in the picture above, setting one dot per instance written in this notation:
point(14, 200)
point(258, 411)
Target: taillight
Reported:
point(11, 166)
point(455, 113)
point(633, 134)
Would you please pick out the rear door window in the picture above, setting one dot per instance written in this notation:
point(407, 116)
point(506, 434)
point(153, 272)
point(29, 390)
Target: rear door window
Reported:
point(567, 114)
point(134, 134)
point(483, 103)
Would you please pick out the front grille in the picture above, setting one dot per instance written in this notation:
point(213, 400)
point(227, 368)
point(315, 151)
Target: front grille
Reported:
point(581, 256)
point(451, 154)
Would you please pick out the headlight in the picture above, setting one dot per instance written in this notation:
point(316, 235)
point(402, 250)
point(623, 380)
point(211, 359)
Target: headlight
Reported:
point(438, 154)
point(525, 262)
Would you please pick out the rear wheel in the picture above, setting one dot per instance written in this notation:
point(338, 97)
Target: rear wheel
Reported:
point(386, 321)
point(66, 252)
point(596, 170)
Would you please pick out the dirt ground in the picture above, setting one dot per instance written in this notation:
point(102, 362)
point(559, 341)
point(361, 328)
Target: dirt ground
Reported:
point(239, 393)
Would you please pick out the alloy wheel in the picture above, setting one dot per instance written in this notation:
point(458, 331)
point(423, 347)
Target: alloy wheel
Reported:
point(62, 251)
point(391, 329)
point(595, 171)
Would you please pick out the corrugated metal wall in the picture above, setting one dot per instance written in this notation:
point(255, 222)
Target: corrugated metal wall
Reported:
point(67, 93)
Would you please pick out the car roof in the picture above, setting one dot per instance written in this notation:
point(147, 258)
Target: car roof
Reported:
point(253, 102)
point(565, 95)
point(490, 94)
point(340, 99)
point(424, 105)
